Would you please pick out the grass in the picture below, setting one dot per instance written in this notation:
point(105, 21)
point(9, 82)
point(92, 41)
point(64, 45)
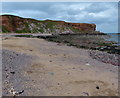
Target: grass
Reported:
point(75, 30)
point(21, 31)
point(4, 30)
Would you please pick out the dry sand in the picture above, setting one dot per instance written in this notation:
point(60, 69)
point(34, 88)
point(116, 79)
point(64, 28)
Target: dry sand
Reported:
point(60, 70)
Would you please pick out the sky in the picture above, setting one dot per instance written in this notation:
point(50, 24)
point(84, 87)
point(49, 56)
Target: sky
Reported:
point(103, 14)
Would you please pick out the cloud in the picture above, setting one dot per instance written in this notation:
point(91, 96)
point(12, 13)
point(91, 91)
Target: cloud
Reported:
point(103, 14)
point(31, 13)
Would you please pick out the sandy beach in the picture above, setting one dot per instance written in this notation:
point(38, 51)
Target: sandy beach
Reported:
point(43, 68)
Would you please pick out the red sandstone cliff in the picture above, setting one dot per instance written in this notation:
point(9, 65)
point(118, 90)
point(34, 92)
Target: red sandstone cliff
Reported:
point(17, 24)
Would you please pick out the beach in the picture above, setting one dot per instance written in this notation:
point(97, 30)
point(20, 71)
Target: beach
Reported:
point(44, 68)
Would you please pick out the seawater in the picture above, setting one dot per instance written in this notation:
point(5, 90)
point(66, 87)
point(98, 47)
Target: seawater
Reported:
point(114, 37)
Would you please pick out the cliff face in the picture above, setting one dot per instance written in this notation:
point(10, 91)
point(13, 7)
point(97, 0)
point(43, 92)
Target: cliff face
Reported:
point(17, 24)
point(83, 26)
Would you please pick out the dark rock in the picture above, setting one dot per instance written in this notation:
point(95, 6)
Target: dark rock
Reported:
point(21, 92)
point(6, 70)
point(97, 87)
point(50, 61)
point(86, 93)
point(6, 76)
point(16, 54)
point(112, 83)
point(73, 68)
point(10, 57)
point(51, 73)
point(12, 72)
point(68, 73)
point(105, 57)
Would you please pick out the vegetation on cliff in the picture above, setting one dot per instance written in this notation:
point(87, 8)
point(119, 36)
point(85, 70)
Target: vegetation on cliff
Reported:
point(16, 24)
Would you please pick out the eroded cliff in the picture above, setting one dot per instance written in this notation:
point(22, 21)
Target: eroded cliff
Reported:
point(15, 24)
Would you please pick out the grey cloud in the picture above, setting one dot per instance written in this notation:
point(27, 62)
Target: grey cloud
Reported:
point(97, 7)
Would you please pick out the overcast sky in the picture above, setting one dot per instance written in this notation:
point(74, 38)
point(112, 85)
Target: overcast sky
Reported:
point(104, 15)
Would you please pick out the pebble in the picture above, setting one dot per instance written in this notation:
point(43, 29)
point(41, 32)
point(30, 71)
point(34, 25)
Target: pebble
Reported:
point(112, 83)
point(12, 72)
point(51, 73)
point(97, 87)
point(87, 64)
point(13, 63)
point(73, 68)
point(6, 70)
point(6, 76)
point(16, 54)
point(86, 93)
point(68, 73)
point(50, 61)
point(105, 57)
point(81, 69)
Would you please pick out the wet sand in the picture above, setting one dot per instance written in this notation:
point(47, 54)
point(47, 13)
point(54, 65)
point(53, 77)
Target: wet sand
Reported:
point(52, 69)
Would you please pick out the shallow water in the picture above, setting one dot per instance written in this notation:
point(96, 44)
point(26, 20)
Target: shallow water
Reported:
point(114, 37)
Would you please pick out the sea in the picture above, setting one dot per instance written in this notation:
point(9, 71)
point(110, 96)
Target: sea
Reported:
point(114, 37)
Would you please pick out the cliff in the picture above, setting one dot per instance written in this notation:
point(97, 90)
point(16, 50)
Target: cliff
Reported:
point(15, 24)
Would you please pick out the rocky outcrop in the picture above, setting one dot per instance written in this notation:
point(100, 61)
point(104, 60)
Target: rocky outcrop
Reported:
point(17, 24)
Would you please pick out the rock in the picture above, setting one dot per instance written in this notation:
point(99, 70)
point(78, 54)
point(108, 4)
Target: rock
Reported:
point(64, 54)
point(6, 76)
point(68, 73)
point(86, 93)
point(20, 92)
point(50, 61)
point(14, 92)
point(87, 64)
point(105, 57)
point(97, 87)
point(81, 69)
point(73, 68)
point(12, 72)
point(10, 57)
point(16, 54)
point(6, 70)
point(112, 83)
point(5, 38)
point(51, 73)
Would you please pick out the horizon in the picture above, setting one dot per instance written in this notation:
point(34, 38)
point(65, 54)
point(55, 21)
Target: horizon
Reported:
point(100, 13)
